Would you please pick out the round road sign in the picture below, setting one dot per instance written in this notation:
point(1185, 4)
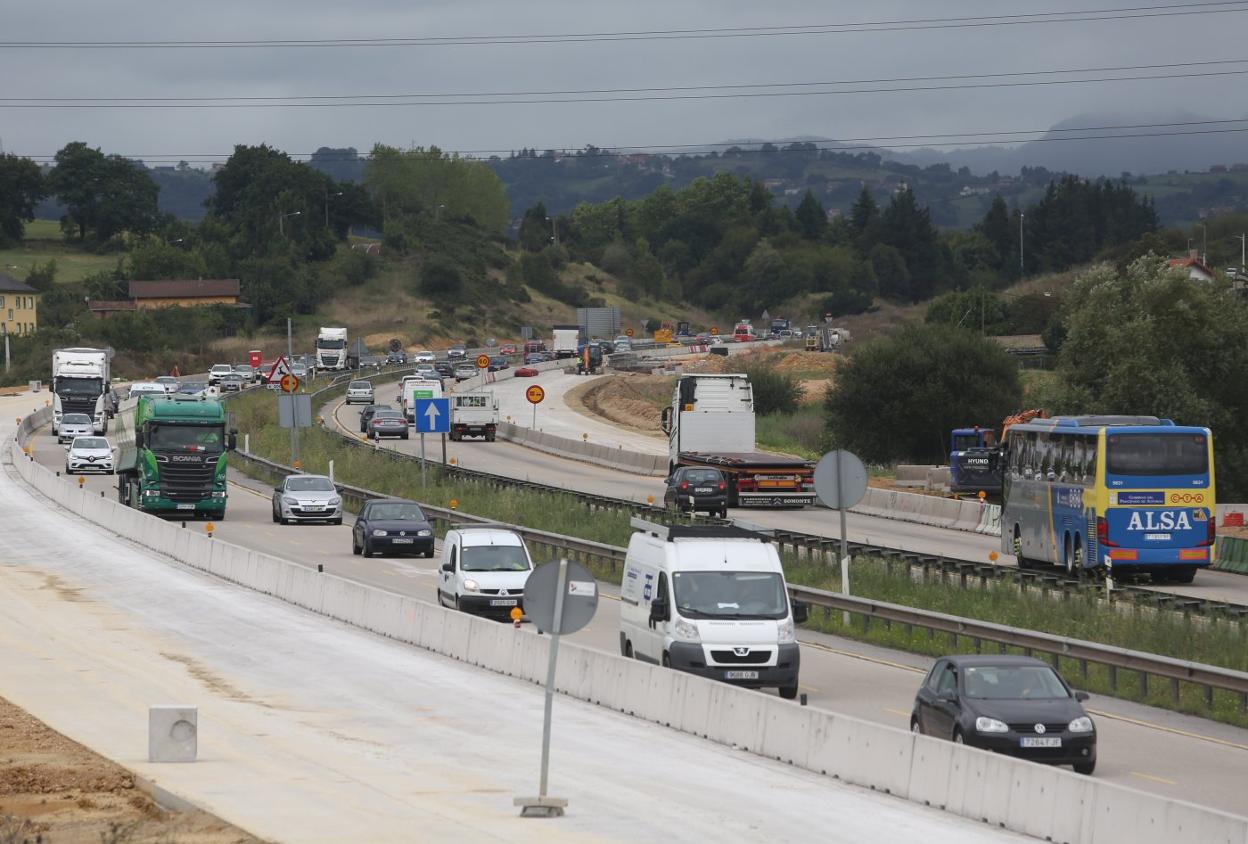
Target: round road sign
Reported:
point(483, 361)
point(852, 485)
point(289, 383)
point(535, 394)
point(580, 597)
point(628, 332)
point(714, 330)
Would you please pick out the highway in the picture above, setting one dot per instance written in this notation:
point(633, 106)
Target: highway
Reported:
point(314, 731)
point(1149, 749)
point(517, 461)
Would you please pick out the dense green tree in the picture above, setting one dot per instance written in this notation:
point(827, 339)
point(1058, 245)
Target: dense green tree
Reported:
point(440, 279)
point(103, 195)
point(812, 219)
point(864, 216)
point(897, 398)
point(891, 271)
point(908, 228)
point(21, 188)
point(535, 231)
point(427, 183)
point(976, 309)
point(1077, 219)
point(156, 260)
point(1000, 228)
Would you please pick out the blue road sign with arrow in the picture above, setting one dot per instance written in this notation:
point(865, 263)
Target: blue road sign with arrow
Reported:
point(433, 416)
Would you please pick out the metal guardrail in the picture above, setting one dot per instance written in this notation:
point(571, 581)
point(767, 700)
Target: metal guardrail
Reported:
point(954, 571)
point(1115, 659)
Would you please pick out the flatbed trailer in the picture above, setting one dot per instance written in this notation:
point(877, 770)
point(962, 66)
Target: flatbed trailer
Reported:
point(759, 479)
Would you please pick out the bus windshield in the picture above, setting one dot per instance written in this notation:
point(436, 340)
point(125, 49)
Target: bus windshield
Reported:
point(1157, 454)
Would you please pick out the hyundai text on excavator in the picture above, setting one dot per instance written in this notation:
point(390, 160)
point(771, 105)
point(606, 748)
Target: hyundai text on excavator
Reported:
point(975, 456)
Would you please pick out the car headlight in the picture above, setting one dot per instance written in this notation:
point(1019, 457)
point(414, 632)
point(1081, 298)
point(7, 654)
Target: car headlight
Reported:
point(686, 630)
point(286, 499)
point(1081, 725)
point(334, 502)
point(471, 586)
point(788, 633)
point(378, 532)
point(990, 725)
point(424, 533)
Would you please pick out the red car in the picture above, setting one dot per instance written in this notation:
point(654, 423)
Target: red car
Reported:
point(507, 349)
point(525, 372)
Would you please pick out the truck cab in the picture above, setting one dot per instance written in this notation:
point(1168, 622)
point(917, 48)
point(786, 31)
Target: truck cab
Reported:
point(975, 461)
point(81, 384)
point(711, 601)
point(331, 349)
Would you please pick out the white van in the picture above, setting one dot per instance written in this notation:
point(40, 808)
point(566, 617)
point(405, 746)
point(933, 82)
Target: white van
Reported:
point(484, 569)
point(414, 387)
point(710, 601)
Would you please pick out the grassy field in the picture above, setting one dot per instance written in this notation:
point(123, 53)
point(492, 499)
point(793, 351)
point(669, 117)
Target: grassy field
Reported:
point(1081, 615)
point(43, 243)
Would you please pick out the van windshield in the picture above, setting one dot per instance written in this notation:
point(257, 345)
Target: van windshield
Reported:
point(495, 558)
point(730, 594)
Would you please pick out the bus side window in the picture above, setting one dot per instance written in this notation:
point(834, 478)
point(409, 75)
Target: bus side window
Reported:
point(1045, 448)
point(1065, 463)
point(1077, 473)
point(1090, 464)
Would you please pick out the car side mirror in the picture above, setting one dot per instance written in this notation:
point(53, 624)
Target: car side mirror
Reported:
point(447, 567)
point(1082, 696)
point(279, 489)
point(801, 612)
point(338, 488)
point(666, 422)
point(659, 610)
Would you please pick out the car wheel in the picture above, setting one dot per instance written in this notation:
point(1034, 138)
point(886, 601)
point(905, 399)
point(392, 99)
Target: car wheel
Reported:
point(368, 548)
point(405, 436)
point(667, 660)
point(1085, 768)
point(957, 736)
point(68, 471)
point(276, 517)
point(916, 727)
point(355, 546)
point(336, 521)
point(458, 607)
point(789, 692)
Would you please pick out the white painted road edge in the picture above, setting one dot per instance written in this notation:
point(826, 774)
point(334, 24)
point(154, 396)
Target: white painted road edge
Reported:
point(1032, 799)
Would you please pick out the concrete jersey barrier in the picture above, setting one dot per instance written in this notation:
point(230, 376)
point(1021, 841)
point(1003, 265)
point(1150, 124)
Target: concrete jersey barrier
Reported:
point(955, 514)
point(1032, 799)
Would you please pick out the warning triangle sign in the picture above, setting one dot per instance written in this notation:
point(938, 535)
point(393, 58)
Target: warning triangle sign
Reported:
point(280, 367)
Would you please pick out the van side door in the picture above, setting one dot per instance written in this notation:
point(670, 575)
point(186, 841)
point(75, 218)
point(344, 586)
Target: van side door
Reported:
point(450, 566)
point(657, 631)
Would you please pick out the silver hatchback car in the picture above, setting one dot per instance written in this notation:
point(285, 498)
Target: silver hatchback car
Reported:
point(307, 498)
point(74, 425)
point(360, 392)
point(89, 454)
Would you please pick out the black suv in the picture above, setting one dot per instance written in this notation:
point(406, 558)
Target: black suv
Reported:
point(394, 358)
point(694, 488)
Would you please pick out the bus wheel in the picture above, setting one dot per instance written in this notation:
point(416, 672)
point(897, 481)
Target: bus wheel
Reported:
point(1183, 574)
point(1017, 545)
point(1076, 568)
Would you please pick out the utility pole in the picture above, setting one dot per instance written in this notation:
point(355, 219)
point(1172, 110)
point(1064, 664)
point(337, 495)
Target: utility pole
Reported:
point(327, 196)
point(1021, 266)
point(294, 428)
point(1243, 242)
point(1204, 244)
point(7, 359)
point(554, 231)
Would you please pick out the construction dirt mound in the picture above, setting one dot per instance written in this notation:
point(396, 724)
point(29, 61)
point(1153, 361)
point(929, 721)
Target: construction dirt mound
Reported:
point(631, 401)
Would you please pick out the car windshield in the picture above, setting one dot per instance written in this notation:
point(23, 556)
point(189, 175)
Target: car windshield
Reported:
point(1157, 454)
point(75, 419)
point(495, 558)
point(1013, 682)
point(360, 385)
point(185, 437)
point(90, 443)
point(166, 379)
point(222, 367)
point(730, 594)
point(396, 513)
point(79, 386)
point(309, 485)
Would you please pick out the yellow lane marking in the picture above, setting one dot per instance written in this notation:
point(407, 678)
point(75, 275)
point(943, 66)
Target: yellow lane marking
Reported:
point(1173, 730)
point(896, 712)
point(1152, 778)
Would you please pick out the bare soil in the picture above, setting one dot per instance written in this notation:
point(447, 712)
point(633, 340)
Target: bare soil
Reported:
point(55, 791)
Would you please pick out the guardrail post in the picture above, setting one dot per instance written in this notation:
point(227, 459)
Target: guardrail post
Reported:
point(1174, 690)
point(1144, 685)
point(1113, 678)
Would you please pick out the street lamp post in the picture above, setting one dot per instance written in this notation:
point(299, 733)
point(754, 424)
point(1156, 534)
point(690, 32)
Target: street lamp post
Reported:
point(437, 213)
point(281, 221)
point(1022, 267)
point(327, 196)
point(554, 230)
point(1243, 243)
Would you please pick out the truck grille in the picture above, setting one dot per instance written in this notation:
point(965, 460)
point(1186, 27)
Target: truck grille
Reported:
point(329, 360)
point(78, 405)
point(186, 480)
point(753, 657)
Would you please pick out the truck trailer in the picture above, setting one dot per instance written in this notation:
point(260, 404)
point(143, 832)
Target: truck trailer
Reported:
point(711, 424)
point(566, 340)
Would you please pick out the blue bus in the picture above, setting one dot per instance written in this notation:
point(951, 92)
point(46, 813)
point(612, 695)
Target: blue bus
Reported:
point(1083, 492)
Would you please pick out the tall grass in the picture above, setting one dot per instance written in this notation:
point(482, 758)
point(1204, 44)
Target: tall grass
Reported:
point(801, 433)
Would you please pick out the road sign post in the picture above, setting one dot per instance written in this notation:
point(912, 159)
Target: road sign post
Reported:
point(430, 416)
point(535, 394)
point(558, 598)
point(840, 483)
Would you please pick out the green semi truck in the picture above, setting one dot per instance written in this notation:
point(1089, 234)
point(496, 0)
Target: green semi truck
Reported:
point(172, 455)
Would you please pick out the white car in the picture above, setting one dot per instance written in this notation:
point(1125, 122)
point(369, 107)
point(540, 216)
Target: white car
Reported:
point(89, 454)
point(360, 392)
point(76, 425)
point(147, 388)
point(214, 374)
point(425, 356)
point(307, 498)
point(170, 383)
point(484, 570)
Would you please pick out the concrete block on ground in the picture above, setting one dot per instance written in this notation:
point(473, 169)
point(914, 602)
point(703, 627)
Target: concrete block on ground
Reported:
point(172, 733)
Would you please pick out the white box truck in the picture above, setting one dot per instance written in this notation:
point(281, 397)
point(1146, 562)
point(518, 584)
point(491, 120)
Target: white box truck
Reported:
point(711, 601)
point(474, 415)
point(567, 339)
point(331, 349)
point(81, 384)
point(414, 387)
point(710, 424)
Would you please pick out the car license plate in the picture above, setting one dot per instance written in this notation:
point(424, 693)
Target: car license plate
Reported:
point(703, 489)
point(503, 602)
point(1157, 537)
point(1036, 741)
point(186, 506)
point(401, 541)
point(740, 675)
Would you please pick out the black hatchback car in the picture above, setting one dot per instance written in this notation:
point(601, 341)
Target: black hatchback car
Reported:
point(366, 415)
point(393, 526)
point(444, 368)
point(707, 488)
point(1007, 704)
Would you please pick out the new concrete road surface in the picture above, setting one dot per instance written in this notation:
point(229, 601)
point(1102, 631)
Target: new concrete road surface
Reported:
point(517, 461)
point(1154, 750)
point(311, 731)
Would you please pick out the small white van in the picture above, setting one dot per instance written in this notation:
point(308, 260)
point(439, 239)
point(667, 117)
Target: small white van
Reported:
point(710, 601)
point(484, 570)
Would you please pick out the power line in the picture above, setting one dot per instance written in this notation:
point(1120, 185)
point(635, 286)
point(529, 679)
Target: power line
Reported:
point(894, 25)
point(981, 138)
point(610, 91)
point(376, 103)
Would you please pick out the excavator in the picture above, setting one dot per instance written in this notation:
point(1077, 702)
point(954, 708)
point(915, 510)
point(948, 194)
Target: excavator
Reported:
point(975, 462)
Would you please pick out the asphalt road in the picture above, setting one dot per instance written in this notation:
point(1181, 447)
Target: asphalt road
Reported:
point(1153, 750)
point(516, 461)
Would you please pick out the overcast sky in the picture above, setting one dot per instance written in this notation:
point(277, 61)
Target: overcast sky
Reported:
point(561, 66)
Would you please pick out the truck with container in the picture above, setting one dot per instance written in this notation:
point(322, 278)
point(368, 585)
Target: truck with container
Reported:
point(172, 455)
point(566, 340)
point(81, 384)
point(743, 332)
point(779, 326)
point(710, 423)
point(474, 415)
point(331, 350)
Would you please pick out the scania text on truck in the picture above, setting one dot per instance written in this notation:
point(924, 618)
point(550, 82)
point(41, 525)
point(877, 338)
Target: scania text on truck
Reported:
point(711, 424)
point(474, 415)
point(172, 455)
point(331, 350)
point(80, 384)
point(567, 338)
